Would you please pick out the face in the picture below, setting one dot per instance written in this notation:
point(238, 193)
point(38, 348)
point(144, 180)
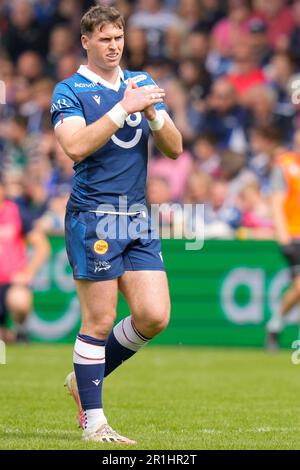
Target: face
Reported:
point(218, 194)
point(105, 46)
point(223, 96)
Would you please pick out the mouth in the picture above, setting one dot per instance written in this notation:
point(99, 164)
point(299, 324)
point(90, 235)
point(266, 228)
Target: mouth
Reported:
point(113, 55)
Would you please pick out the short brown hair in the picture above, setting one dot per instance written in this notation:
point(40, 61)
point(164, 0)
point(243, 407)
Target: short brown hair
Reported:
point(99, 16)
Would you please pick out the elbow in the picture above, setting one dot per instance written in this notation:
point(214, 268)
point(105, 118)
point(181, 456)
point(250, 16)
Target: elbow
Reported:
point(174, 155)
point(76, 157)
point(76, 153)
point(176, 152)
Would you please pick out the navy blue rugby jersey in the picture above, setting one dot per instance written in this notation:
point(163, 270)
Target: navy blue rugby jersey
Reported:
point(119, 168)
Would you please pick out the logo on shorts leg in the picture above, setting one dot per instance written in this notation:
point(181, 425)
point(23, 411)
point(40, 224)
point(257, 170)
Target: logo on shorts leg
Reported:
point(101, 266)
point(101, 247)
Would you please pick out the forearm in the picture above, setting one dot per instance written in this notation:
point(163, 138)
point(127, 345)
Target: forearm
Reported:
point(168, 139)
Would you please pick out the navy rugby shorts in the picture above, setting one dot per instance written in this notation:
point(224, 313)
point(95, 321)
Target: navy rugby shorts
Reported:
point(101, 247)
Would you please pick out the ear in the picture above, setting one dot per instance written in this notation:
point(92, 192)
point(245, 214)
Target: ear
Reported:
point(85, 41)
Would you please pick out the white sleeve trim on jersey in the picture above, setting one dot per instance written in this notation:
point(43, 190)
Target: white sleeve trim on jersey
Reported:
point(59, 123)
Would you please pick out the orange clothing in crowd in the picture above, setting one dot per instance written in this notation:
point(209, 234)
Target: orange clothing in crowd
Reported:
point(289, 164)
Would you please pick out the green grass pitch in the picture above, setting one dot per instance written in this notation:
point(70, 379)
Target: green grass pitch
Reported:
point(164, 397)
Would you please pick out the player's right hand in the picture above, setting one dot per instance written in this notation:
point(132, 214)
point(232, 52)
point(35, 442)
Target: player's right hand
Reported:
point(138, 98)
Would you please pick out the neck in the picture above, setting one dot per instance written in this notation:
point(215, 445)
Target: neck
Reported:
point(108, 75)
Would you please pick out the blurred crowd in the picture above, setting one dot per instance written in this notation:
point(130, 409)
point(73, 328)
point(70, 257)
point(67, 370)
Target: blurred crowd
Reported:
point(231, 71)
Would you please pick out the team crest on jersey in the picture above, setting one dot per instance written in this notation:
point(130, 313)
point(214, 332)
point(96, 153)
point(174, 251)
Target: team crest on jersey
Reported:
point(101, 247)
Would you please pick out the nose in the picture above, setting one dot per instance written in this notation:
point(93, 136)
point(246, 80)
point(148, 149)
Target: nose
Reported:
point(113, 44)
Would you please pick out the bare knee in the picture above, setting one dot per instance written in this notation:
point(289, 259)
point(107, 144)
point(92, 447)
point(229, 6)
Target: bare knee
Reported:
point(98, 325)
point(151, 323)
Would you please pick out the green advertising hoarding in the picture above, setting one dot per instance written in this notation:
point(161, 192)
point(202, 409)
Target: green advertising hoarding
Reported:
point(221, 295)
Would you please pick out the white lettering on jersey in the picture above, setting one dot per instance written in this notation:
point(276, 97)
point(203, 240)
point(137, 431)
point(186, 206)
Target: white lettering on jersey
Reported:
point(60, 104)
point(139, 132)
point(137, 78)
point(85, 85)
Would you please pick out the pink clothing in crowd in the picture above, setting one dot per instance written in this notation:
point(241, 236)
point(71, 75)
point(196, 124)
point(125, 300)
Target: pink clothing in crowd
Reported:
point(12, 244)
point(175, 171)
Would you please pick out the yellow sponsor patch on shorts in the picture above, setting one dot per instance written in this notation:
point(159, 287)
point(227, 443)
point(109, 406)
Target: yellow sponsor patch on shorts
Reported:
point(101, 247)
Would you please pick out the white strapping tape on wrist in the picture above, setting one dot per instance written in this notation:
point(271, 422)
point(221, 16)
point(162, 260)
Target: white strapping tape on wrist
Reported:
point(118, 115)
point(157, 123)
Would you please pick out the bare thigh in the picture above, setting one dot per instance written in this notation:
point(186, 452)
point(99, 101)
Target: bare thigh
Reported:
point(147, 294)
point(98, 302)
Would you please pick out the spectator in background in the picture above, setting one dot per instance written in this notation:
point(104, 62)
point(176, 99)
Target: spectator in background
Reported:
point(222, 217)
point(206, 153)
point(235, 173)
point(195, 79)
point(211, 13)
point(259, 42)
point(264, 141)
point(69, 12)
point(37, 109)
point(245, 72)
point(225, 117)
point(190, 12)
point(227, 31)
point(294, 39)
point(159, 193)
point(262, 104)
point(58, 186)
point(30, 66)
point(175, 172)
point(184, 114)
point(16, 271)
point(61, 176)
point(34, 201)
point(62, 42)
point(152, 17)
point(196, 45)
point(285, 204)
point(282, 68)
point(197, 193)
point(136, 52)
point(24, 32)
point(66, 66)
point(255, 213)
point(197, 189)
point(19, 145)
point(279, 19)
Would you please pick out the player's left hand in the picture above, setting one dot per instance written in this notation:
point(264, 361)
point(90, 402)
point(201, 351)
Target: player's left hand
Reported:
point(150, 111)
